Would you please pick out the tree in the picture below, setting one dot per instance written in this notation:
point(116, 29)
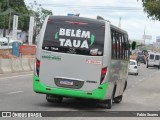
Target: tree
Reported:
point(3, 18)
point(39, 14)
point(23, 13)
point(152, 8)
point(10, 7)
point(39, 18)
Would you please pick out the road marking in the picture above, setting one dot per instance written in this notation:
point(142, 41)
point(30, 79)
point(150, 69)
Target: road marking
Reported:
point(14, 76)
point(14, 92)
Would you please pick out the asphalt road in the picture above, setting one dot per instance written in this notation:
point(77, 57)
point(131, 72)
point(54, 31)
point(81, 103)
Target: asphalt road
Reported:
point(142, 94)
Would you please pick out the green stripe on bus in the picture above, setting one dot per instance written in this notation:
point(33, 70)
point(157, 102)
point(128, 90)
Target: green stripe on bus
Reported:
point(99, 93)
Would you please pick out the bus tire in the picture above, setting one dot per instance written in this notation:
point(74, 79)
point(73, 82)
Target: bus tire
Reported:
point(125, 86)
point(54, 99)
point(118, 99)
point(108, 103)
point(49, 98)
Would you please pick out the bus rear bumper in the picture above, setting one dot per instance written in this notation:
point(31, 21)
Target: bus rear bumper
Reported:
point(97, 94)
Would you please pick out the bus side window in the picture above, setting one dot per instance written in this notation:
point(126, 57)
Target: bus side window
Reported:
point(118, 45)
point(114, 45)
point(126, 47)
point(121, 47)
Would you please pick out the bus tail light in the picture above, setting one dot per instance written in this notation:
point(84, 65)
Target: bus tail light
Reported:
point(37, 66)
point(103, 73)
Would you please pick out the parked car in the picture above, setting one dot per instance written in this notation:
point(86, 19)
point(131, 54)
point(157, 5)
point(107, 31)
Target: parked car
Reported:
point(157, 60)
point(141, 58)
point(133, 67)
point(4, 43)
point(153, 60)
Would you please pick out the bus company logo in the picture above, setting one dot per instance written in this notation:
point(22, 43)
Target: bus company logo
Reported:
point(78, 34)
point(6, 114)
point(49, 57)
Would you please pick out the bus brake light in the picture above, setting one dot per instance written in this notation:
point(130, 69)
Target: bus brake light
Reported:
point(37, 66)
point(103, 73)
point(37, 63)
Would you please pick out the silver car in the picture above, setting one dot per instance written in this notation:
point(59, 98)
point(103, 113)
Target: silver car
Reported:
point(133, 67)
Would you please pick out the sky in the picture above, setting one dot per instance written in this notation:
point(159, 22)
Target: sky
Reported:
point(133, 19)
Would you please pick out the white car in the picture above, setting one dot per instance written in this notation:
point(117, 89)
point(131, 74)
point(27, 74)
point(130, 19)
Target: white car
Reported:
point(4, 43)
point(133, 67)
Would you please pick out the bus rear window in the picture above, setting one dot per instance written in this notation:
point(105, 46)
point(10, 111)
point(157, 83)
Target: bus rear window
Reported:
point(74, 36)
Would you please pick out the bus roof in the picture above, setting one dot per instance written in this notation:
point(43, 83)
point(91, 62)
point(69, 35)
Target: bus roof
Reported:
point(92, 20)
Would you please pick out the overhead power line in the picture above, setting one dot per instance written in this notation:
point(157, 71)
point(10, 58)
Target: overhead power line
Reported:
point(108, 8)
point(93, 7)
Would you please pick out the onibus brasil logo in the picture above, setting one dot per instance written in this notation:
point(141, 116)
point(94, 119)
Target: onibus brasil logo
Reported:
point(75, 34)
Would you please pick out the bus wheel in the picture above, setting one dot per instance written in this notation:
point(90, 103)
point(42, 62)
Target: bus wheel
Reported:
point(118, 99)
point(108, 103)
point(54, 99)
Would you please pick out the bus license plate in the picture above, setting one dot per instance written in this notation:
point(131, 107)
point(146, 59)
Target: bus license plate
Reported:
point(66, 82)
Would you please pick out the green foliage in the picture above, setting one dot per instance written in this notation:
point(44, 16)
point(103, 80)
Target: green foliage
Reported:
point(39, 14)
point(152, 8)
point(8, 8)
point(3, 6)
point(12, 7)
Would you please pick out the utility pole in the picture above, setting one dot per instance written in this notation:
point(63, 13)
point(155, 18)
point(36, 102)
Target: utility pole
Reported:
point(119, 25)
point(144, 34)
point(9, 23)
point(9, 20)
point(8, 5)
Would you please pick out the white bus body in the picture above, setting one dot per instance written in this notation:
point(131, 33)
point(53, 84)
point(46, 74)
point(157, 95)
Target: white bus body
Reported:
point(83, 58)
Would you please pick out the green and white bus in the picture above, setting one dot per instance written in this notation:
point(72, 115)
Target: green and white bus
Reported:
point(81, 58)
